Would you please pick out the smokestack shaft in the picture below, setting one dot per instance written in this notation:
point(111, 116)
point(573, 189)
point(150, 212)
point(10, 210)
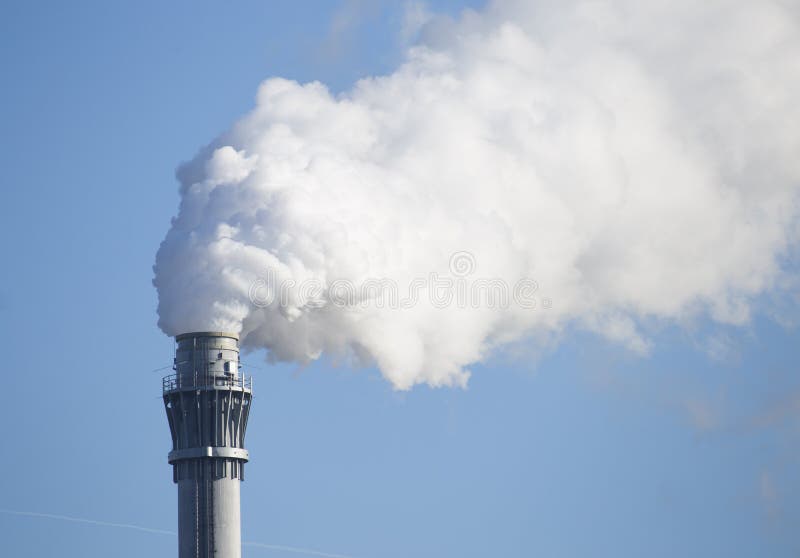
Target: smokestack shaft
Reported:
point(208, 402)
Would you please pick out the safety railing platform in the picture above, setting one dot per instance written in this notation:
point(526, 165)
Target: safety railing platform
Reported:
point(175, 382)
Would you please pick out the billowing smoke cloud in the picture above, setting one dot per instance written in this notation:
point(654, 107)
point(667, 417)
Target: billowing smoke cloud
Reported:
point(611, 164)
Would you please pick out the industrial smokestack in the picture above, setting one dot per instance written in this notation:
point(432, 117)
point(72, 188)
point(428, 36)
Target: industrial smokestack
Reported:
point(207, 401)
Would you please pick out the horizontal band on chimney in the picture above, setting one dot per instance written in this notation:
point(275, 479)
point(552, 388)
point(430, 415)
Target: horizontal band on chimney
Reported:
point(208, 451)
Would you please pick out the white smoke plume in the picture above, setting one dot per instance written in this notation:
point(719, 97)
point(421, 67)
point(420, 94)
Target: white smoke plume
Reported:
point(640, 161)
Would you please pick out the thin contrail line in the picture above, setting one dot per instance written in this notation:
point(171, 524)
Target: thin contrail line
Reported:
point(282, 548)
point(89, 521)
point(295, 550)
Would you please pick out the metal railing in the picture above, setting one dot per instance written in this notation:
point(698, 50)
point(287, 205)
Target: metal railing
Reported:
point(173, 382)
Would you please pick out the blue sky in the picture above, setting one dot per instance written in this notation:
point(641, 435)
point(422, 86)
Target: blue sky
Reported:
point(580, 450)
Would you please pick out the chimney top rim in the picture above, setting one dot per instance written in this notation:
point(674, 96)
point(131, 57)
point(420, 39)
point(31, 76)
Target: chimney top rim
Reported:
point(191, 334)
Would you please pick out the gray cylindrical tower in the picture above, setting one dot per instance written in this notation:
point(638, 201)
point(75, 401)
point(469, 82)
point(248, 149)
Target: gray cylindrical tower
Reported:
point(207, 402)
